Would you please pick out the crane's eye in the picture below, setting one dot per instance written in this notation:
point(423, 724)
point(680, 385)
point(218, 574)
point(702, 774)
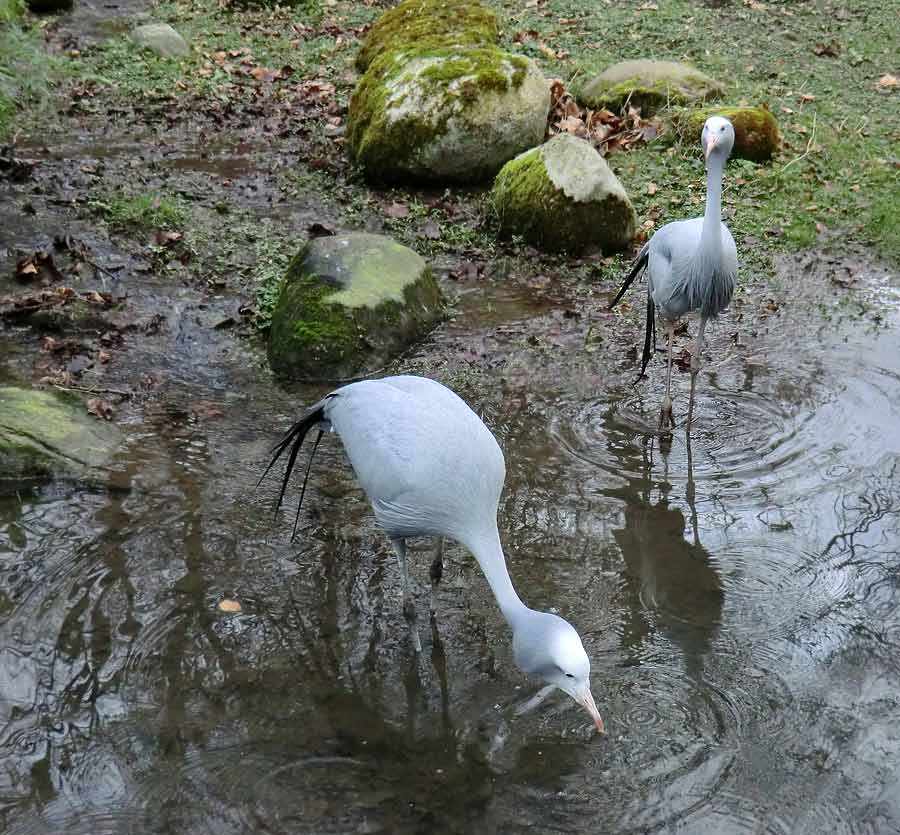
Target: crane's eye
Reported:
point(569, 675)
point(722, 128)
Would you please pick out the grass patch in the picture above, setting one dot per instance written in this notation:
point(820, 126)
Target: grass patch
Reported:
point(270, 266)
point(27, 72)
point(146, 211)
point(815, 64)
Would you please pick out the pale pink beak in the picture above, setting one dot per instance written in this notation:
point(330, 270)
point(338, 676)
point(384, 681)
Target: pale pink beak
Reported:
point(586, 700)
point(711, 143)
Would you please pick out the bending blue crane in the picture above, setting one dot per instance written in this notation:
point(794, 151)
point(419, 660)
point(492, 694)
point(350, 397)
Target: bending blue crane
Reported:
point(430, 467)
point(690, 264)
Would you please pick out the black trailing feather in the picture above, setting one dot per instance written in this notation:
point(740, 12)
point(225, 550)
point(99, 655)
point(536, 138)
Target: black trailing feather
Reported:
point(639, 263)
point(294, 439)
point(649, 337)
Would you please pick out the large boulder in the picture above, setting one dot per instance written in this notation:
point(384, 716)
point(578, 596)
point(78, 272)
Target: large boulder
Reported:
point(429, 23)
point(46, 435)
point(563, 196)
point(756, 134)
point(162, 39)
point(649, 85)
point(448, 114)
point(349, 304)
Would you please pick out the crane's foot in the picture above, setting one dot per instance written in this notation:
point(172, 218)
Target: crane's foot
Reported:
point(436, 573)
point(666, 419)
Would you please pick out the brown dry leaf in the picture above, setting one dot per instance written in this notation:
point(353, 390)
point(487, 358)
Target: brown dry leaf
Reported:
point(804, 97)
point(206, 410)
point(828, 50)
point(571, 124)
point(887, 82)
point(229, 606)
point(167, 238)
point(648, 7)
point(547, 51)
point(651, 188)
point(100, 408)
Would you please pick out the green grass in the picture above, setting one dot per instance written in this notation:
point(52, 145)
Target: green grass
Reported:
point(144, 212)
point(840, 131)
point(27, 72)
point(273, 255)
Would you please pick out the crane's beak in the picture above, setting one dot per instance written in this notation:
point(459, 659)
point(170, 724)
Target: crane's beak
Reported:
point(710, 144)
point(586, 700)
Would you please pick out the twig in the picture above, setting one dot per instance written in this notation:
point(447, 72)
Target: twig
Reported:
point(94, 390)
point(809, 147)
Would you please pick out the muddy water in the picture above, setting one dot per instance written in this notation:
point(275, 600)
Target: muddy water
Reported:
point(737, 592)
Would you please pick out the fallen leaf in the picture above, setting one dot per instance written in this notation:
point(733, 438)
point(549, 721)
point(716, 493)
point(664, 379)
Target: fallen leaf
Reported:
point(804, 97)
point(100, 408)
point(887, 82)
point(318, 230)
point(651, 188)
point(230, 607)
point(430, 230)
point(828, 50)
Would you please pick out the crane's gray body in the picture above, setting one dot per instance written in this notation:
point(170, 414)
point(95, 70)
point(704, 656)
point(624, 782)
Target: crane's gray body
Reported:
point(684, 276)
point(427, 462)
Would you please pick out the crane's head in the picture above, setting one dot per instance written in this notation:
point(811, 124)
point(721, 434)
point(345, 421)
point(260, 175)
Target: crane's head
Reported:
point(717, 138)
point(548, 646)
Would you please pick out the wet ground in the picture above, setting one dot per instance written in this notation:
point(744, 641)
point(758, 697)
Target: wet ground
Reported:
point(736, 590)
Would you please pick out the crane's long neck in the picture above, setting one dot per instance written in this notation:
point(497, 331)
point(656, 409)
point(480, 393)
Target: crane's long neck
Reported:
point(711, 236)
point(489, 552)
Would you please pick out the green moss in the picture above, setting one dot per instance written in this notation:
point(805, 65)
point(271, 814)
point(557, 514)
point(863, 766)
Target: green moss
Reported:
point(755, 130)
point(429, 24)
point(384, 135)
point(528, 203)
point(648, 85)
point(146, 211)
point(321, 330)
point(43, 434)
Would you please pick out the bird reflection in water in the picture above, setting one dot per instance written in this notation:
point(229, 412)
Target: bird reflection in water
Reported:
point(677, 590)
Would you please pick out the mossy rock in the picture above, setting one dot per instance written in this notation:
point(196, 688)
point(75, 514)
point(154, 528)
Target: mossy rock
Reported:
point(48, 435)
point(445, 115)
point(563, 196)
point(162, 39)
point(350, 304)
point(649, 85)
point(756, 134)
point(420, 24)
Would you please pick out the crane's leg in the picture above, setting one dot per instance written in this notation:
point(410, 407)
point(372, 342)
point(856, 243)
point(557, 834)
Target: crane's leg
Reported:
point(665, 413)
point(695, 367)
point(409, 608)
point(437, 571)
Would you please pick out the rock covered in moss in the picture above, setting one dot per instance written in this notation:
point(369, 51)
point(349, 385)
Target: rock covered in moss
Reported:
point(563, 196)
point(349, 304)
point(162, 39)
point(756, 134)
point(649, 85)
point(429, 23)
point(447, 114)
point(47, 435)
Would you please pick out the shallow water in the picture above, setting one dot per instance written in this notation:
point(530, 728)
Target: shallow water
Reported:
point(737, 594)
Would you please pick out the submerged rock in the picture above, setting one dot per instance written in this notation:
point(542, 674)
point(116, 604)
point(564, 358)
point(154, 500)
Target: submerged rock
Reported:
point(447, 114)
point(756, 134)
point(162, 39)
point(649, 85)
point(563, 196)
point(47, 435)
point(351, 303)
point(420, 24)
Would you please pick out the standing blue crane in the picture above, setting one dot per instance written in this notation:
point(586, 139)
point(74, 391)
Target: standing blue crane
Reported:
point(691, 265)
point(430, 467)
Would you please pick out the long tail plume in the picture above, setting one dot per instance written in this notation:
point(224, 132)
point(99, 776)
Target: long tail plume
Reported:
point(639, 263)
point(293, 440)
point(649, 337)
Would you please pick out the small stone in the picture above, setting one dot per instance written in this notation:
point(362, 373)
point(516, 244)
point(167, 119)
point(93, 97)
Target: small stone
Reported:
point(229, 606)
point(162, 39)
point(649, 85)
point(564, 196)
point(351, 303)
